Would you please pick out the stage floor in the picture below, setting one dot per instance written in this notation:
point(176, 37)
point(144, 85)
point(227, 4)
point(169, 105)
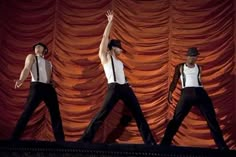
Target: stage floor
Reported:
point(69, 149)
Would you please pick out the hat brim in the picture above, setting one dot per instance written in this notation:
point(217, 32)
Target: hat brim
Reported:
point(192, 55)
point(119, 47)
point(43, 45)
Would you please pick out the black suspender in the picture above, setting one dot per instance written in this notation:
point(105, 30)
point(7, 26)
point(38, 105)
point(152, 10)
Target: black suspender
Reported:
point(199, 71)
point(113, 69)
point(37, 67)
point(183, 74)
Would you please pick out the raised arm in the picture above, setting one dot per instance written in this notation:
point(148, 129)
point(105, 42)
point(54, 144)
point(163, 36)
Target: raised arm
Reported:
point(105, 38)
point(25, 71)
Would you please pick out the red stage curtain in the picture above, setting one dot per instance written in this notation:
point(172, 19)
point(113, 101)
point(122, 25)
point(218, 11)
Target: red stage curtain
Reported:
point(155, 35)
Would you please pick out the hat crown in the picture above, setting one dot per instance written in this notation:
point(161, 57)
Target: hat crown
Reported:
point(114, 43)
point(43, 45)
point(193, 51)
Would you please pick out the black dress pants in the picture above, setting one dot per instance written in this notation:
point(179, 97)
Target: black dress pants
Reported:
point(41, 92)
point(126, 94)
point(194, 96)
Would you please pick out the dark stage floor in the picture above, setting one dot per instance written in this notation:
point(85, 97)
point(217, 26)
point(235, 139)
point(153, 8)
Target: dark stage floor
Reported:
point(74, 149)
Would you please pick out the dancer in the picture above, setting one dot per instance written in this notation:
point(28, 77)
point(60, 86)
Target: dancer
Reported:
point(192, 93)
point(41, 89)
point(118, 88)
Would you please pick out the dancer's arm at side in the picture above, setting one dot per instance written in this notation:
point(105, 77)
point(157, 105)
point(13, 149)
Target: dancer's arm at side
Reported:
point(25, 71)
point(174, 82)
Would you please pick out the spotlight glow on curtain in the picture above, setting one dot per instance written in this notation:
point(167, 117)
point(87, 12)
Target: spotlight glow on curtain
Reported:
point(155, 36)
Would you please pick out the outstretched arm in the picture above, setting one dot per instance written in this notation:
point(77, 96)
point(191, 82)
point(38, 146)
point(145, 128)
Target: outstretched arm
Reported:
point(105, 38)
point(25, 71)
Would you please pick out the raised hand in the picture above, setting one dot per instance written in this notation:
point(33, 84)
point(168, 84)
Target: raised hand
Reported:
point(109, 15)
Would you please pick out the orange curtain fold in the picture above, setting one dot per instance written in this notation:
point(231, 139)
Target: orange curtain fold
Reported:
point(155, 36)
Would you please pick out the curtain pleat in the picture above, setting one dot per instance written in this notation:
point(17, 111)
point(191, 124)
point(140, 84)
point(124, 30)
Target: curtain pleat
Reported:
point(155, 36)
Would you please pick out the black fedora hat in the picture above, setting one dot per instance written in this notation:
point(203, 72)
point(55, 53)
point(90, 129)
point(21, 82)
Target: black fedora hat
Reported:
point(43, 45)
point(114, 43)
point(192, 51)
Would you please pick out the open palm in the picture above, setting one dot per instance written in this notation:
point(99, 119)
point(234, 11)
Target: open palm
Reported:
point(110, 15)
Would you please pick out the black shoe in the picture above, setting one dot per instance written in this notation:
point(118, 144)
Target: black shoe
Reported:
point(13, 139)
point(153, 144)
point(225, 148)
point(83, 141)
point(165, 144)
